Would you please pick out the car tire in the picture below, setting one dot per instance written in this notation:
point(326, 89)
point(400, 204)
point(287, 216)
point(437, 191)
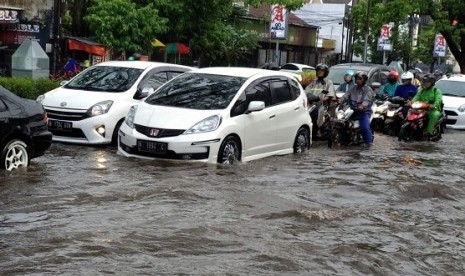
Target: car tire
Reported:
point(302, 140)
point(15, 154)
point(230, 151)
point(114, 136)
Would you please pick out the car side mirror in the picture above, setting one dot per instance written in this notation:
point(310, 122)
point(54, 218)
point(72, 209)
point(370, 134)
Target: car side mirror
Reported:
point(62, 83)
point(255, 106)
point(142, 93)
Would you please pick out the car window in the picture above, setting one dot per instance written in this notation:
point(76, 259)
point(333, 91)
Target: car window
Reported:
point(156, 80)
point(375, 77)
point(337, 74)
point(198, 91)
point(105, 79)
point(289, 67)
point(174, 74)
point(451, 88)
point(280, 92)
point(295, 90)
point(257, 91)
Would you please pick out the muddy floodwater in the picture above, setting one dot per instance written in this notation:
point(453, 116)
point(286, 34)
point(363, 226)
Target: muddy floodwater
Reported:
point(394, 209)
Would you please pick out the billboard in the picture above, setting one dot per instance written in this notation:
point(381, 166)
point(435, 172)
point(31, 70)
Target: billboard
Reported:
point(439, 46)
point(278, 22)
point(384, 44)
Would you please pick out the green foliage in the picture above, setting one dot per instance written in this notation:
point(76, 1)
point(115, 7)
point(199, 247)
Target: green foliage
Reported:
point(289, 4)
point(27, 87)
point(124, 26)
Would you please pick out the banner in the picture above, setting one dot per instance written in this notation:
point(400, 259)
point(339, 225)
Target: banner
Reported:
point(278, 22)
point(439, 46)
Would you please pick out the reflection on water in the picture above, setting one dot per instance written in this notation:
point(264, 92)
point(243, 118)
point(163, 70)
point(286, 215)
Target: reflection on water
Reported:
point(394, 209)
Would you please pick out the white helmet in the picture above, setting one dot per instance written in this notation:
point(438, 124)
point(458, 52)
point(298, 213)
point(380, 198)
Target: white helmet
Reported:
point(406, 76)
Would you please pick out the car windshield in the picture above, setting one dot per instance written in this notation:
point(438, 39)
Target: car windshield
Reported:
point(198, 91)
point(105, 79)
point(336, 75)
point(451, 88)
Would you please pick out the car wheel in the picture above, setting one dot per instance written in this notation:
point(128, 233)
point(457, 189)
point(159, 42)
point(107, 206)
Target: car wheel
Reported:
point(302, 140)
point(230, 151)
point(114, 137)
point(14, 155)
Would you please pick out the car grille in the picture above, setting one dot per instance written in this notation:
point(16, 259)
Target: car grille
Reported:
point(451, 113)
point(159, 132)
point(169, 154)
point(451, 121)
point(65, 115)
point(74, 133)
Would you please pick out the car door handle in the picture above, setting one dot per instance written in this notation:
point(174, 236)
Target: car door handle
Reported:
point(272, 116)
point(297, 108)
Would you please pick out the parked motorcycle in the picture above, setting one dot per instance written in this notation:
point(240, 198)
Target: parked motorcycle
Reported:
point(414, 127)
point(394, 116)
point(344, 130)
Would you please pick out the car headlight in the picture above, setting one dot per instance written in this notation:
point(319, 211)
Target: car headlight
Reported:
point(206, 125)
point(130, 117)
point(99, 108)
point(41, 98)
point(461, 108)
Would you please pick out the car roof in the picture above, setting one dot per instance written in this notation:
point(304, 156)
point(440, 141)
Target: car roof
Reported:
point(359, 66)
point(457, 77)
point(244, 72)
point(300, 65)
point(140, 64)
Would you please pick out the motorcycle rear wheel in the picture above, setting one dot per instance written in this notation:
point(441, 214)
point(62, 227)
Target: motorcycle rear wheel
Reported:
point(405, 132)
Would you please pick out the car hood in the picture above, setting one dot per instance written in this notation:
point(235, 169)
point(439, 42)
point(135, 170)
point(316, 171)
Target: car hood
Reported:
point(170, 117)
point(453, 102)
point(78, 99)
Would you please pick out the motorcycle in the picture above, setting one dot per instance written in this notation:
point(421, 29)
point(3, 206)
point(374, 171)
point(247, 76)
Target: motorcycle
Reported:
point(394, 116)
point(344, 129)
point(380, 108)
point(414, 126)
point(324, 118)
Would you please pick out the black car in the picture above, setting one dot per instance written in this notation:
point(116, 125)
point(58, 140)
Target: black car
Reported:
point(375, 72)
point(23, 130)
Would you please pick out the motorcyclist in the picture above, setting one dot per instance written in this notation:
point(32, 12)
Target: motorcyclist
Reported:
point(438, 74)
point(406, 90)
point(432, 96)
point(324, 88)
point(360, 97)
point(416, 77)
point(391, 85)
point(348, 82)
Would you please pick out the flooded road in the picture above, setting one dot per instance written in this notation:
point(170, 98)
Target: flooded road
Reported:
point(394, 209)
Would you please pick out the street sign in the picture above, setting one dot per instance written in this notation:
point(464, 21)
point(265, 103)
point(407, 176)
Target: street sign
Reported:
point(278, 22)
point(384, 44)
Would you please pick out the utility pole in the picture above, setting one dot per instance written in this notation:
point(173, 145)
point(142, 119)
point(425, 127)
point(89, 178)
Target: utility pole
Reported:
point(350, 35)
point(367, 30)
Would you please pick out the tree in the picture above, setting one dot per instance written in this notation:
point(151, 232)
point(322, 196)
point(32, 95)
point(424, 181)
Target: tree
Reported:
point(449, 19)
point(124, 26)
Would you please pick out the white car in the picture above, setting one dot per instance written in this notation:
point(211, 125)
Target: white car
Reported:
point(220, 114)
point(296, 68)
point(90, 107)
point(453, 97)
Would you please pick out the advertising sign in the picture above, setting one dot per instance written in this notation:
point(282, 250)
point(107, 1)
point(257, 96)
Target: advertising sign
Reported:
point(384, 44)
point(439, 46)
point(278, 22)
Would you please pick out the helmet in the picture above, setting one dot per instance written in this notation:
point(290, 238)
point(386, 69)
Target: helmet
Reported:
point(361, 74)
point(430, 78)
point(393, 76)
point(406, 76)
point(323, 67)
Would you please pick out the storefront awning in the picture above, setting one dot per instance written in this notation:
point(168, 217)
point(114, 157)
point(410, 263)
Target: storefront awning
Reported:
point(86, 45)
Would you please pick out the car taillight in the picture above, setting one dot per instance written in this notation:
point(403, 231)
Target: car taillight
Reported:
point(306, 104)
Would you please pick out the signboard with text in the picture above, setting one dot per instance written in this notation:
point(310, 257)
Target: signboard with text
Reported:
point(384, 44)
point(278, 22)
point(439, 46)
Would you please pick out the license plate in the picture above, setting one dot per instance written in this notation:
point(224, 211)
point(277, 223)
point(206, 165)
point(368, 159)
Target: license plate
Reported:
point(152, 147)
point(60, 125)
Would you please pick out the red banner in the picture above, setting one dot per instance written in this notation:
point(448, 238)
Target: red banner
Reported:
point(94, 49)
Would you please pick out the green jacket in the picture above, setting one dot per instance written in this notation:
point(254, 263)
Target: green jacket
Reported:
point(431, 95)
